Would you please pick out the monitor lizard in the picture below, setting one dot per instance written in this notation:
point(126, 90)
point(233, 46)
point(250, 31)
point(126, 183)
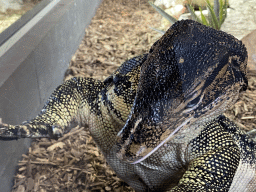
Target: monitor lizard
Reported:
point(158, 119)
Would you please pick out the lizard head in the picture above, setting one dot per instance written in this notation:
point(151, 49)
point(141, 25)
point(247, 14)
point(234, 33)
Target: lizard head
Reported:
point(193, 73)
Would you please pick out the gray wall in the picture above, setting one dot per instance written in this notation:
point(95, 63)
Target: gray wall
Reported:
point(34, 66)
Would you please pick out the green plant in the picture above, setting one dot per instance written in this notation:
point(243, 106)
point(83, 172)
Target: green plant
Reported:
point(216, 13)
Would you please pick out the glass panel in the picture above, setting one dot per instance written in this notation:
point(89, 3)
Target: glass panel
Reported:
point(12, 10)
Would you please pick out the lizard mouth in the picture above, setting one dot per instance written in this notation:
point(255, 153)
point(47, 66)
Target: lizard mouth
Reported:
point(144, 135)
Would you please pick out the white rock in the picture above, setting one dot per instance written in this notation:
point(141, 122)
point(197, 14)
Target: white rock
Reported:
point(166, 3)
point(241, 19)
point(198, 13)
point(175, 12)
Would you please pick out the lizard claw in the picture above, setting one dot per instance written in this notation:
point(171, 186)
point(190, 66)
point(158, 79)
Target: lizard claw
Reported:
point(9, 131)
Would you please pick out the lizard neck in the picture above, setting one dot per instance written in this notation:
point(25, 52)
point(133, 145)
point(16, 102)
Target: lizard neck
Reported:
point(105, 117)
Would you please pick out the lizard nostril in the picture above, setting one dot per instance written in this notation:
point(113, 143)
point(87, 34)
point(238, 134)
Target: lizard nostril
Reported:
point(244, 86)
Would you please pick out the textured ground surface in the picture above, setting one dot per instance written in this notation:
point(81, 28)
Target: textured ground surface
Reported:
point(119, 31)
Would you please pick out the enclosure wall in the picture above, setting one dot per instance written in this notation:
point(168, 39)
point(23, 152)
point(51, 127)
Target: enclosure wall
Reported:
point(34, 54)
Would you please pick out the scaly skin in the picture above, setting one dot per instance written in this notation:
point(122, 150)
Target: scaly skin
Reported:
point(157, 119)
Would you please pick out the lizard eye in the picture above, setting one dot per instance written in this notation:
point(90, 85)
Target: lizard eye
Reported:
point(193, 103)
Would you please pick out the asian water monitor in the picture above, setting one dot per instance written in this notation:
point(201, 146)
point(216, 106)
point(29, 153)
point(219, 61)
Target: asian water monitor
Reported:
point(158, 118)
